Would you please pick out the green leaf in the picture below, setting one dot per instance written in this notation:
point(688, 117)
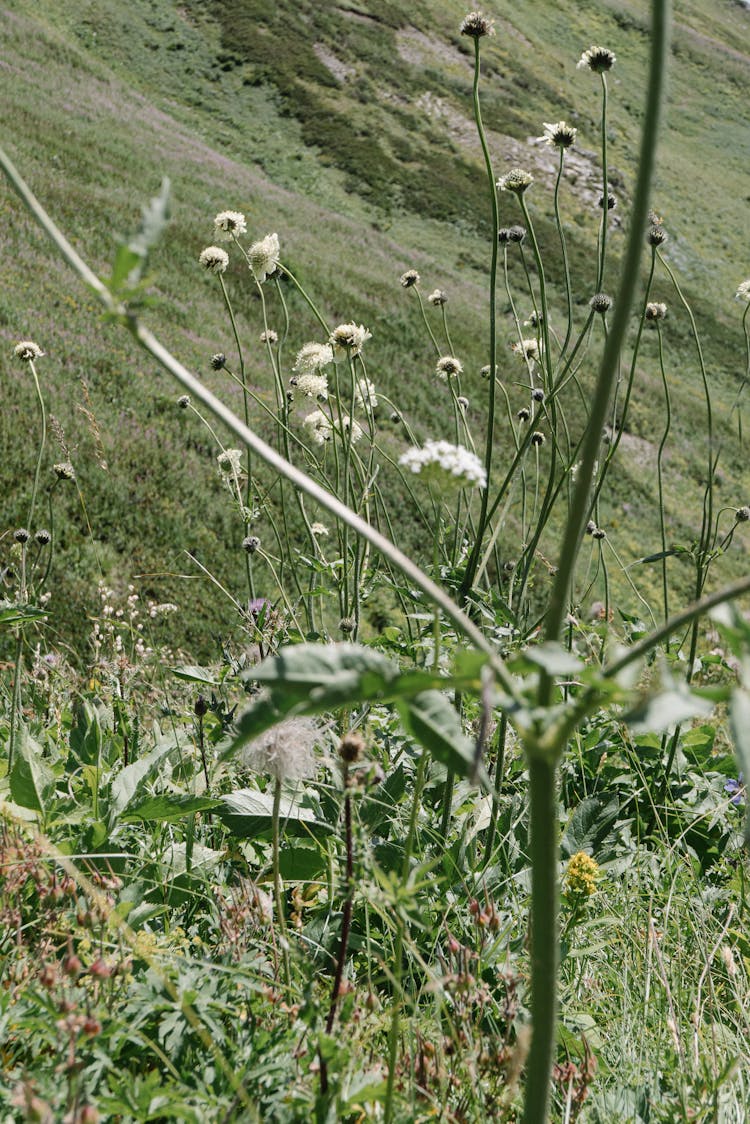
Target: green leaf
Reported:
point(20, 614)
point(432, 720)
point(328, 671)
point(194, 674)
point(669, 708)
point(31, 779)
point(588, 826)
point(249, 813)
point(86, 736)
point(300, 862)
point(553, 658)
point(739, 720)
point(167, 807)
point(129, 784)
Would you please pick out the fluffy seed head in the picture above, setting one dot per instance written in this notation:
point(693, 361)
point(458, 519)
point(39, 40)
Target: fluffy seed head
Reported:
point(476, 25)
point(27, 351)
point(286, 751)
point(516, 181)
point(448, 367)
point(229, 225)
point(214, 259)
point(264, 256)
point(409, 279)
point(598, 59)
point(558, 134)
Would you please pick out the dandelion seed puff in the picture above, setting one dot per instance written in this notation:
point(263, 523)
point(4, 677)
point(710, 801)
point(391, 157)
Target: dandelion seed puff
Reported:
point(558, 134)
point(230, 462)
point(350, 338)
point(318, 427)
point(214, 259)
point(312, 386)
point(448, 367)
point(264, 256)
point(444, 464)
point(286, 751)
point(229, 225)
point(27, 351)
point(743, 292)
point(313, 357)
point(516, 181)
point(597, 59)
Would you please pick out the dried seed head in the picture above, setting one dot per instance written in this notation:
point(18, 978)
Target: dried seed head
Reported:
point(523, 414)
point(517, 233)
point(742, 514)
point(448, 367)
point(409, 279)
point(600, 302)
point(516, 181)
point(351, 747)
point(251, 544)
point(286, 751)
point(655, 310)
point(218, 361)
point(437, 297)
point(537, 438)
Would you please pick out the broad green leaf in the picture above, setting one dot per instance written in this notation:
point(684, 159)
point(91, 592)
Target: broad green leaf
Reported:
point(669, 708)
point(329, 671)
point(20, 614)
point(739, 719)
point(432, 720)
point(86, 736)
point(175, 858)
point(300, 862)
point(130, 782)
point(31, 778)
point(553, 658)
point(249, 813)
point(168, 807)
point(588, 826)
point(194, 674)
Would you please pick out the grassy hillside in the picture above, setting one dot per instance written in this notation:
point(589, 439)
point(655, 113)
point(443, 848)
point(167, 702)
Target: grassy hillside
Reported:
point(347, 129)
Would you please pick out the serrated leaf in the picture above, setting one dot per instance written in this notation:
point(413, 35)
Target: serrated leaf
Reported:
point(31, 778)
point(432, 720)
point(588, 826)
point(249, 813)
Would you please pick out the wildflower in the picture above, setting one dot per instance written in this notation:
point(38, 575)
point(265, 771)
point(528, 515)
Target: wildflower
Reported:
point(611, 201)
point(409, 279)
point(600, 302)
point(598, 59)
point(269, 336)
point(438, 297)
point(313, 357)
point(264, 256)
point(43, 537)
point(318, 529)
point(537, 438)
point(462, 403)
point(485, 371)
point(64, 471)
point(442, 463)
point(476, 25)
point(259, 607)
point(365, 397)
point(230, 462)
point(183, 401)
point(742, 514)
point(524, 414)
point(590, 526)
point(537, 394)
point(353, 428)
point(448, 367)
point(742, 294)
point(516, 233)
point(21, 535)
point(27, 351)
point(312, 386)
point(582, 875)
point(229, 225)
point(559, 134)
point(318, 426)
point(350, 338)
point(250, 544)
point(516, 180)
point(598, 533)
point(735, 789)
point(655, 310)
point(528, 349)
point(656, 235)
point(214, 259)
point(286, 751)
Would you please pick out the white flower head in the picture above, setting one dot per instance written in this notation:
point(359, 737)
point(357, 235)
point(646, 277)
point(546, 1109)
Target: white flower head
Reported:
point(349, 339)
point(445, 465)
point(214, 259)
point(558, 134)
point(448, 367)
point(437, 297)
point(269, 336)
point(352, 427)
point(365, 397)
point(409, 279)
point(318, 426)
point(286, 751)
point(229, 225)
point(230, 462)
point(27, 351)
point(527, 349)
point(742, 294)
point(318, 529)
point(598, 59)
point(264, 256)
point(516, 180)
point(656, 310)
point(312, 386)
point(313, 357)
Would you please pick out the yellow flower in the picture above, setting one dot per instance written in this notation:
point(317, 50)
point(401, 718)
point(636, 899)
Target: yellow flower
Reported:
point(582, 875)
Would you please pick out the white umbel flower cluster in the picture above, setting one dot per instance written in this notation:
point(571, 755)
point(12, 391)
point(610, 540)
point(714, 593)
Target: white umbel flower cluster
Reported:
point(229, 224)
point(318, 426)
point(264, 256)
point(313, 357)
point(442, 463)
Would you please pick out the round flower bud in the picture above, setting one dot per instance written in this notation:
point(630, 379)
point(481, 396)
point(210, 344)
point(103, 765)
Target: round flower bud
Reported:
point(251, 544)
point(600, 302)
point(742, 514)
point(183, 401)
point(43, 537)
point(21, 535)
point(537, 394)
point(537, 438)
point(516, 181)
point(218, 361)
point(347, 625)
point(409, 279)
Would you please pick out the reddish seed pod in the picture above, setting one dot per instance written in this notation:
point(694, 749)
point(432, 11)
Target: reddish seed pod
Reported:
point(100, 969)
point(72, 966)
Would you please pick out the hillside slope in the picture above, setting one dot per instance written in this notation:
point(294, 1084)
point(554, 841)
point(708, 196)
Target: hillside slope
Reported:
point(347, 129)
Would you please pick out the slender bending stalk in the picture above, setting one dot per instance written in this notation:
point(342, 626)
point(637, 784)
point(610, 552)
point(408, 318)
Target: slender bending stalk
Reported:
point(542, 762)
point(605, 192)
point(660, 482)
point(277, 887)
